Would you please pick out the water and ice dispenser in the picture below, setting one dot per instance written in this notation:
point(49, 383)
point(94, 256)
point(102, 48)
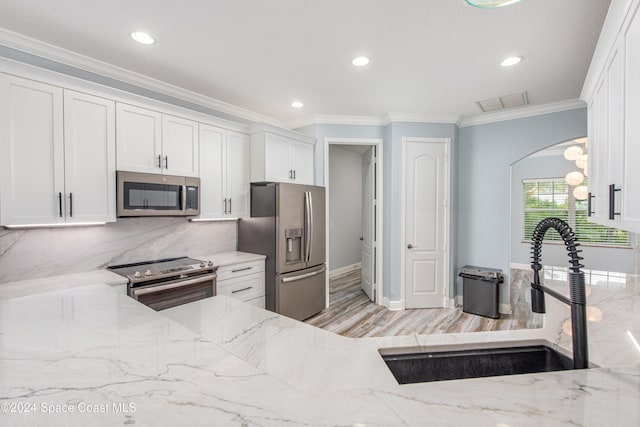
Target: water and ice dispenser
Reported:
point(294, 244)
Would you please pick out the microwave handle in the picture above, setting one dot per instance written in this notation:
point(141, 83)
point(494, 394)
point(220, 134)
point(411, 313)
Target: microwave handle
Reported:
point(184, 198)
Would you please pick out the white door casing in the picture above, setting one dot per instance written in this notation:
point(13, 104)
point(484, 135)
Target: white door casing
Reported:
point(378, 254)
point(426, 174)
point(368, 223)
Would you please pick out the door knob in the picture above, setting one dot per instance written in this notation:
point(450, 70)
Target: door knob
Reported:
point(410, 246)
point(362, 239)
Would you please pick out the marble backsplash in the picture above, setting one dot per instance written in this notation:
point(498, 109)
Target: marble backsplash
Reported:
point(36, 253)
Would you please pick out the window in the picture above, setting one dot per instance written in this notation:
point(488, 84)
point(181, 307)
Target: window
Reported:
point(554, 197)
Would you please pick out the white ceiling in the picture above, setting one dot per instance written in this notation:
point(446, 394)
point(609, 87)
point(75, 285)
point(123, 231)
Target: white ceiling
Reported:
point(428, 57)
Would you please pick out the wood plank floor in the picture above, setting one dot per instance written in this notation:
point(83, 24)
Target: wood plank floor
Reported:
point(352, 314)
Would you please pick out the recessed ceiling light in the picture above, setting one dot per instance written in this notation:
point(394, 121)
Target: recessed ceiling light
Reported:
point(142, 37)
point(297, 104)
point(360, 61)
point(488, 4)
point(512, 60)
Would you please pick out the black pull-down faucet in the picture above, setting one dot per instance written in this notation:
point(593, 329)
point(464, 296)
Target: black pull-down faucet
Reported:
point(577, 300)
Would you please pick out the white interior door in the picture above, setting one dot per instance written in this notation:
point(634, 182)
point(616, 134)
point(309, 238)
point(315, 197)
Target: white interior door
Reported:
point(425, 223)
point(368, 223)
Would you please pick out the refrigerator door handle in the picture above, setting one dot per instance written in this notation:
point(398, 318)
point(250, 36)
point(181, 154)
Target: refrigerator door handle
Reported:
point(311, 226)
point(303, 276)
point(307, 226)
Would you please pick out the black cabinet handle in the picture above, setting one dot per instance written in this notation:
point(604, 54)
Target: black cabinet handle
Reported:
point(159, 161)
point(590, 204)
point(225, 205)
point(166, 162)
point(240, 290)
point(294, 174)
point(70, 205)
point(229, 205)
point(612, 201)
point(60, 204)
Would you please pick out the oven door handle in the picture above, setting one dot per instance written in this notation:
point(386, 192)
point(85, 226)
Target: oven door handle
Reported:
point(177, 284)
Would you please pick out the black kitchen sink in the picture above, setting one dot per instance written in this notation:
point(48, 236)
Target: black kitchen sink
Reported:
point(461, 364)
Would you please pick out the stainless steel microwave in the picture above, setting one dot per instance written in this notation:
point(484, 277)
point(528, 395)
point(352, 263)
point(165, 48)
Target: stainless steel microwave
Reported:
point(148, 194)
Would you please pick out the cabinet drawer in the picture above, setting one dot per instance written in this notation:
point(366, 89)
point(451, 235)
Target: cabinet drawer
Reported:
point(243, 288)
point(242, 269)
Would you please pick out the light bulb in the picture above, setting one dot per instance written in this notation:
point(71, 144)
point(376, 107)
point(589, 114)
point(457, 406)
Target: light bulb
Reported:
point(573, 153)
point(581, 192)
point(574, 178)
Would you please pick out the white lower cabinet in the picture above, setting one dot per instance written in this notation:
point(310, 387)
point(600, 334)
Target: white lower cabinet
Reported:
point(57, 155)
point(243, 281)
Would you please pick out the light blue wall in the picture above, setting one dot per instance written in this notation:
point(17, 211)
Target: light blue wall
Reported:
point(392, 135)
point(486, 153)
point(595, 258)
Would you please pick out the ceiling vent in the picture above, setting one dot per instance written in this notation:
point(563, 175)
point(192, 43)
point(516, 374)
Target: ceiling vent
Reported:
point(507, 101)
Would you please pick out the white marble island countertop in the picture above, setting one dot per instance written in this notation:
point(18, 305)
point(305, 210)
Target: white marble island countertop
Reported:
point(93, 356)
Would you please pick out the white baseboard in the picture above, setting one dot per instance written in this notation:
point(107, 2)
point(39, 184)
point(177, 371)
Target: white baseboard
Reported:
point(345, 269)
point(449, 303)
point(504, 308)
point(393, 305)
point(520, 266)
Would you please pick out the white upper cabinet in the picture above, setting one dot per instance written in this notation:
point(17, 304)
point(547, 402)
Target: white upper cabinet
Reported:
point(139, 139)
point(90, 157)
point(281, 156)
point(238, 157)
point(149, 141)
point(612, 92)
point(57, 155)
point(179, 146)
point(630, 202)
point(224, 173)
point(31, 152)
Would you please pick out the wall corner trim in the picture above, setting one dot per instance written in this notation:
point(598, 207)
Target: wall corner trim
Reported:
point(393, 305)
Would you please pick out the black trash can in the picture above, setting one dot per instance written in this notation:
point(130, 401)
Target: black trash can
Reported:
point(481, 290)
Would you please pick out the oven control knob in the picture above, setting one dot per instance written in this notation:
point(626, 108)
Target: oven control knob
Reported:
point(147, 273)
point(203, 264)
point(137, 275)
point(209, 263)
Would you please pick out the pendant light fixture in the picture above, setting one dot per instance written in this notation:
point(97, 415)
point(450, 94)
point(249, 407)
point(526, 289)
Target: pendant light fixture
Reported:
point(489, 4)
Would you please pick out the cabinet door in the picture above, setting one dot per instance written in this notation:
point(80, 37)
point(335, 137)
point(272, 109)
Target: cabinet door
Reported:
point(31, 152)
point(276, 160)
point(599, 155)
point(179, 146)
point(138, 139)
point(302, 162)
point(90, 157)
point(238, 174)
point(630, 195)
point(212, 171)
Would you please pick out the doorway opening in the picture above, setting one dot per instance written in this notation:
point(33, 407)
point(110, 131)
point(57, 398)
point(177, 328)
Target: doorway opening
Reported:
point(353, 181)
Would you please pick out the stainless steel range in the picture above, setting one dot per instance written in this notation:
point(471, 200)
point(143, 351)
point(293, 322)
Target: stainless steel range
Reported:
point(166, 283)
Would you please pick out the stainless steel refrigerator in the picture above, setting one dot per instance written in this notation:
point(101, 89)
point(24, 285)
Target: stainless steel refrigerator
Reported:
point(287, 225)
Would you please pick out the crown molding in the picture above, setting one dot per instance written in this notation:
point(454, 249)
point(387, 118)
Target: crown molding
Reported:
point(45, 50)
point(522, 112)
point(423, 118)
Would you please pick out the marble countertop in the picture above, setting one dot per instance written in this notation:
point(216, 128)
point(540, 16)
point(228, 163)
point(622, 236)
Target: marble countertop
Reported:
point(111, 360)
